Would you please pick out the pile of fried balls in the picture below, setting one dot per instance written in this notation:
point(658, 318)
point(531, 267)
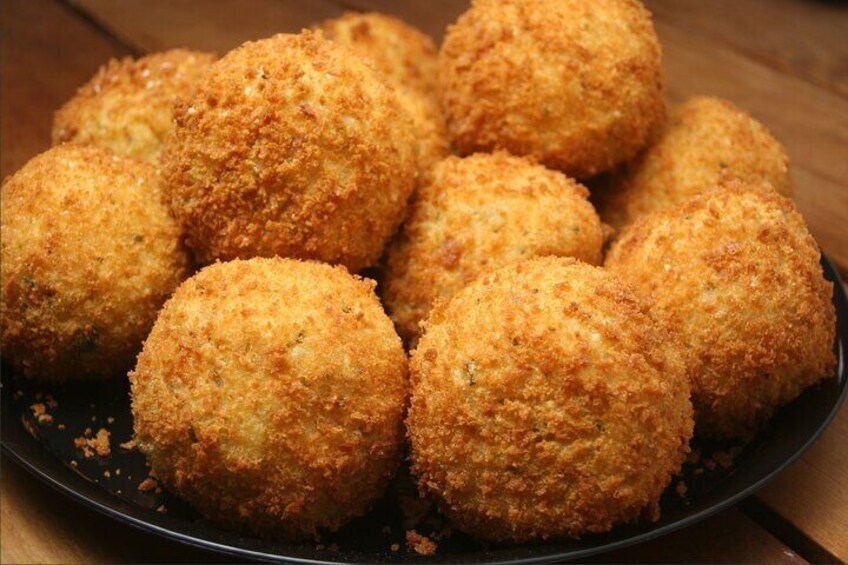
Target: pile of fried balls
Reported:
point(200, 223)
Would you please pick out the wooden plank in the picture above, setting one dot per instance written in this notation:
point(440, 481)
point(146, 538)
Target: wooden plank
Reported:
point(807, 39)
point(35, 81)
point(35, 529)
point(155, 25)
point(741, 541)
point(813, 493)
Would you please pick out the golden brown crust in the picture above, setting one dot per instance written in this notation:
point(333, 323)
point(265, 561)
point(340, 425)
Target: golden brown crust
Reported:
point(89, 254)
point(291, 147)
point(737, 272)
point(407, 58)
point(547, 402)
point(127, 106)
point(706, 142)
point(270, 395)
point(576, 84)
point(479, 213)
point(399, 51)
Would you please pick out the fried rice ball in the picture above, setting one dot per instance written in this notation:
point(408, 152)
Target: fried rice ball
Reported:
point(547, 402)
point(400, 52)
point(291, 146)
point(478, 213)
point(89, 254)
point(128, 105)
point(407, 59)
point(706, 142)
point(270, 395)
point(576, 84)
point(430, 129)
point(737, 272)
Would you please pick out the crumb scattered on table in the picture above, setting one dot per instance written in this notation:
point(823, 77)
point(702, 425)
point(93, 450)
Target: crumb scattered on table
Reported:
point(128, 445)
point(29, 427)
point(110, 420)
point(681, 489)
point(422, 545)
point(98, 445)
point(61, 426)
point(147, 484)
point(161, 508)
point(395, 547)
point(107, 474)
point(39, 411)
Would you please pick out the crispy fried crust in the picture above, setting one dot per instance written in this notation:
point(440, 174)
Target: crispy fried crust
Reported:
point(89, 254)
point(738, 273)
point(576, 84)
point(478, 213)
point(706, 142)
point(294, 147)
point(407, 58)
point(270, 395)
point(399, 51)
point(547, 402)
point(128, 105)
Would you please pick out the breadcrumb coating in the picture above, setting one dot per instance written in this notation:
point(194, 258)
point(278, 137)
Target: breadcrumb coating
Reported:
point(89, 254)
point(291, 146)
point(270, 395)
point(706, 142)
point(407, 59)
point(399, 51)
point(576, 84)
point(737, 272)
point(479, 213)
point(127, 106)
point(547, 402)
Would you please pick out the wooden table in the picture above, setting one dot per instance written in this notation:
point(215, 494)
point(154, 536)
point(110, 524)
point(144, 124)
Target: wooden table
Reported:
point(786, 61)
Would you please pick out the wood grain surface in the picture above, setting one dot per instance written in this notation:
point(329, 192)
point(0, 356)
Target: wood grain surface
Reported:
point(785, 61)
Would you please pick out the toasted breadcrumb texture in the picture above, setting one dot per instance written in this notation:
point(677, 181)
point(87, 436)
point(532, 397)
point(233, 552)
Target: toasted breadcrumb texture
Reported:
point(270, 395)
point(547, 402)
point(89, 255)
point(737, 272)
point(292, 146)
point(407, 59)
point(476, 214)
point(706, 142)
point(127, 106)
point(397, 50)
point(576, 84)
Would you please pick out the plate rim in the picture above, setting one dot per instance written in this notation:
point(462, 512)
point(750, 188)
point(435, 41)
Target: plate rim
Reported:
point(67, 489)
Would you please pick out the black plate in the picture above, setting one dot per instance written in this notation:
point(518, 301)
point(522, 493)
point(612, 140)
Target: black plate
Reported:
point(712, 484)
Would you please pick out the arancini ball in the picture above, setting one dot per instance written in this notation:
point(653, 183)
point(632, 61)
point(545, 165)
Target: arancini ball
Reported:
point(294, 147)
point(89, 254)
point(707, 141)
point(476, 214)
point(737, 273)
point(128, 105)
point(430, 129)
point(270, 395)
point(576, 84)
point(400, 52)
point(407, 59)
point(546, 402)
